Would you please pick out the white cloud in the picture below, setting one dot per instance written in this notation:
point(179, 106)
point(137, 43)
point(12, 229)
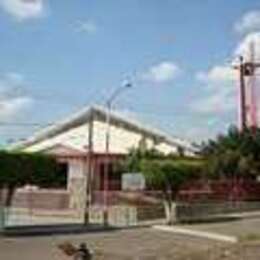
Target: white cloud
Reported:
point(23, 9)
point(244, 47)
point(15, 77)
point(218, 93)
point(249, 22)
point(162, 72)
point(9, 108)
point(13, 100)
point(218, 101)
point(199, 132)
point(217, 74)
point(86, 26)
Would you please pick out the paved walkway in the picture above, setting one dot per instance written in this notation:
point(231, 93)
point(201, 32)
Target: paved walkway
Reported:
point(239, 228)
point(197, 233)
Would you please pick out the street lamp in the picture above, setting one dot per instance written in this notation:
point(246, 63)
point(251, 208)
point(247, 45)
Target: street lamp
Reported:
point(109, 103)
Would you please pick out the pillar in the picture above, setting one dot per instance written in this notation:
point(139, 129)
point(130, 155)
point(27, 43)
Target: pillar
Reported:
point(77, 185)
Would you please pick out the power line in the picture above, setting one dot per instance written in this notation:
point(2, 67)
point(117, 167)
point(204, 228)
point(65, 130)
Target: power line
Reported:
point(23, 124)
point(135, 113)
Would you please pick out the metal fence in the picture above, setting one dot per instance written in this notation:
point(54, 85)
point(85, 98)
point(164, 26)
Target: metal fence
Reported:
point(199, 211)
point(37, 207)
point(220, 190)
point(127, 208)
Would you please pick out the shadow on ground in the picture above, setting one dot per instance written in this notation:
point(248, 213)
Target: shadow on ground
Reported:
point(213, 219)
point(60, 229)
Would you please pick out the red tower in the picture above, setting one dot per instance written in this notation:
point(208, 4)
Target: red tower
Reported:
point(248, 91)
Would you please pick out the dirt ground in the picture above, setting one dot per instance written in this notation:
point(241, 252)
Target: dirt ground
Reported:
point(136, 243)
point(144, 243)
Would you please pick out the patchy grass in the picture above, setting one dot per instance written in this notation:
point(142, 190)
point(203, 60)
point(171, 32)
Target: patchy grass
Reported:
point(250, 237)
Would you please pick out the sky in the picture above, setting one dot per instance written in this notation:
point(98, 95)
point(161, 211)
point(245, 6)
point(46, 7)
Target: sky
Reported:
point(59, 56)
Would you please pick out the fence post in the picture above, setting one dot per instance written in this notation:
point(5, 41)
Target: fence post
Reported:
point(2, 219)
point(173, 212)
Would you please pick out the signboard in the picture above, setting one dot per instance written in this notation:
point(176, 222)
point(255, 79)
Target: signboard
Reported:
point(133, 181)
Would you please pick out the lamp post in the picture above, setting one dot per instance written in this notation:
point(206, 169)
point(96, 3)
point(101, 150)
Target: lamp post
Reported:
point(109, 104)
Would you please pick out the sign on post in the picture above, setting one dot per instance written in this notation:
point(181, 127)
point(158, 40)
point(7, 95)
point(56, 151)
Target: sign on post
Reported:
point(133, 181)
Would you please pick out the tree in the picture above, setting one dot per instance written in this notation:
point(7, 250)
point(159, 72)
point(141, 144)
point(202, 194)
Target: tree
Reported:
point(168, 176)
point(18, 169)
point(235, 154)
point(164, 173)
point(135, 156)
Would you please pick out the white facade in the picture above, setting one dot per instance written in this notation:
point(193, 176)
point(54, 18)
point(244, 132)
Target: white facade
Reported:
point(70, 141)
point(122, 140)
point(76, 138)
point(124, 135)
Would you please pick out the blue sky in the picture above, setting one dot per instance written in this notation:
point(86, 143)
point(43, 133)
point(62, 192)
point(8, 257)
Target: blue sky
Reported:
point(58, 56)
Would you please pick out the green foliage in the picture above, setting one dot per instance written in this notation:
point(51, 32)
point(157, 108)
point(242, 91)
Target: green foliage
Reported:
point(169, 175)
point(166, 173)
point(135, 156)
point(235, 154)
point(17, 169)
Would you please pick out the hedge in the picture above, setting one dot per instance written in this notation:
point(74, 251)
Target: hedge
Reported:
point(18, 169)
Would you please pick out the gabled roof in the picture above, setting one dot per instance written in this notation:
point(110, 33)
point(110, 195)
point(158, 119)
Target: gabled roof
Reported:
point(64, 150)
point(100, 113)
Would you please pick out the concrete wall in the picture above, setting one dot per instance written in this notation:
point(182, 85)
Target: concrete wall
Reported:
point(46, 199)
